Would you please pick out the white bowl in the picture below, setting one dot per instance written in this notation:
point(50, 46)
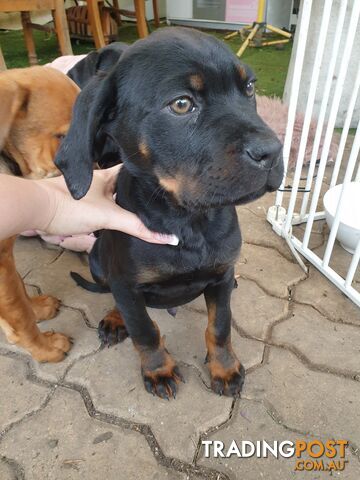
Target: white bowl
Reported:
point(348, 232)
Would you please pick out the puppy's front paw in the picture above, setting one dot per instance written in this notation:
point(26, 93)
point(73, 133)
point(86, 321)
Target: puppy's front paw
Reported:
point(227, 378)
point(45, 307)
point(111, 329)
point(51, 347)
point(161, 375)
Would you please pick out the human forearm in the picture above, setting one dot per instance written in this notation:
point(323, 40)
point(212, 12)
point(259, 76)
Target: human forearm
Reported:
point(24, 205)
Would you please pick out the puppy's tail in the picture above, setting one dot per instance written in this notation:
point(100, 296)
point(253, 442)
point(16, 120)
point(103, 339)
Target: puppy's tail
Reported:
point(90, 286)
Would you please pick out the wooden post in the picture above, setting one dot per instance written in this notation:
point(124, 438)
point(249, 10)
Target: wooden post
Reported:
point(2, 61)
point(140, 18)
point(29, 39)
point(95, 23)
point(156, 13)
point(61, 28)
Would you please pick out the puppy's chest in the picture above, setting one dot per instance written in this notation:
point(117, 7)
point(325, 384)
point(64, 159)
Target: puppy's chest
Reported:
point(187, 263)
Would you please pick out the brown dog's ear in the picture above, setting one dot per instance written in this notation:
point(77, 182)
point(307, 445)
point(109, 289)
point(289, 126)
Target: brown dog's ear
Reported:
point(77, 151)
point(14, 97)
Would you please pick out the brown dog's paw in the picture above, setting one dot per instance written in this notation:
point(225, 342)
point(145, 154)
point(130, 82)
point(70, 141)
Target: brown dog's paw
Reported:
point(226, 380)
point(51, 347)
point(45, 307)
point(111, 329)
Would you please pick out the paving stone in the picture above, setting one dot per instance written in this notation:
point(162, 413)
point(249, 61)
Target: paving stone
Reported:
point(257, 230)
point(30, 253)
point(55, 279)
point(6, 472)
point(254, 310)
point(71, 323)
point(314, 402)
point(269, 269)
point(262, 205)
point(62, 442)
point(316, 237)
point(18, 396)
point(322, 342)
point(251, 421)
point(114, 382)
point(322, 294)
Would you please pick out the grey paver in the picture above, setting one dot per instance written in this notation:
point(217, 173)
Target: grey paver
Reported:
point(256, 230)
point(269, 269)
point(254, 310)
point(56, 444)
point(322, 294)
point(18, 396)
point(30, 253)
point(252, 422)
point(261, 206)
point(315, 402)
point(324, 343)
point(6, 472)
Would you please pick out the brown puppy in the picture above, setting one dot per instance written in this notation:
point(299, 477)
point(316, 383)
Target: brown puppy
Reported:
point(35, 113)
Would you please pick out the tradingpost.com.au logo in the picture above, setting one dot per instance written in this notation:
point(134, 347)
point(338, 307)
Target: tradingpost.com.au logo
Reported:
point(313, 455)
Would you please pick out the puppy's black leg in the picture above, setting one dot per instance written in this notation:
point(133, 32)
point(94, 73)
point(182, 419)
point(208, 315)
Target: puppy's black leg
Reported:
point(160, 372)
point(227, 374)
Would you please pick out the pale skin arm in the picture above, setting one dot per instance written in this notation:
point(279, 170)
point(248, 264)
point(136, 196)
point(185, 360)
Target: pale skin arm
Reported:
point(46, 205)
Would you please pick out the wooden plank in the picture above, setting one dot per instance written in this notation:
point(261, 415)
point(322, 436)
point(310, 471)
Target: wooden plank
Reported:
point(26, 5)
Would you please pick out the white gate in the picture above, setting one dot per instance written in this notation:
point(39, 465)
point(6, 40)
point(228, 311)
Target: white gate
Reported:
point(298, 211)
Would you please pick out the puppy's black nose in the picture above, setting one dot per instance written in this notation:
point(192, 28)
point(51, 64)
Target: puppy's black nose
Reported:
point(266, 151)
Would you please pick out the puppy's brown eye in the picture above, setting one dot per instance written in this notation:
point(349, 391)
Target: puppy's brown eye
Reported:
point(182, 105)
point(250, 89)
point(59, 136)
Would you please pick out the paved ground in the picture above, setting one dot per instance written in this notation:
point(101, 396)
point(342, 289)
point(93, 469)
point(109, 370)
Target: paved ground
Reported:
point(89, 417)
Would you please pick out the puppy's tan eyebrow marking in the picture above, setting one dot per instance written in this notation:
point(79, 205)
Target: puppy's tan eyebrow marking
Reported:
point(144, 150)
point(242, 72)
point(197, 82)
point(172, 185)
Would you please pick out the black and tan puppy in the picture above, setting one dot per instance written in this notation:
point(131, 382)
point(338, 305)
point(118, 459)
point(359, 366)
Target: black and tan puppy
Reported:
point(181, 108)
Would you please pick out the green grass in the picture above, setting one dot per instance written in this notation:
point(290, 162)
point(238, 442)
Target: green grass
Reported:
point(352, 131)
point(269, 64)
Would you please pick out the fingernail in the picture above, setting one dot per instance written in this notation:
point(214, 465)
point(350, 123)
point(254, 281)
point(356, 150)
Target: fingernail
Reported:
point(173, 240)
point(169, 239)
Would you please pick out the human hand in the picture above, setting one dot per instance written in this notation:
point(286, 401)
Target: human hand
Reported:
point(96, 211)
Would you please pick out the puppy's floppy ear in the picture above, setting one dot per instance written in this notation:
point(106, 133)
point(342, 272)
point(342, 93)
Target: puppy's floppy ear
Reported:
point(77, 151)
point(14, 97)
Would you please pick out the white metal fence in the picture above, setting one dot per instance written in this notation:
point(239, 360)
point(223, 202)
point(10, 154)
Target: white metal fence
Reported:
point(298, 210)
